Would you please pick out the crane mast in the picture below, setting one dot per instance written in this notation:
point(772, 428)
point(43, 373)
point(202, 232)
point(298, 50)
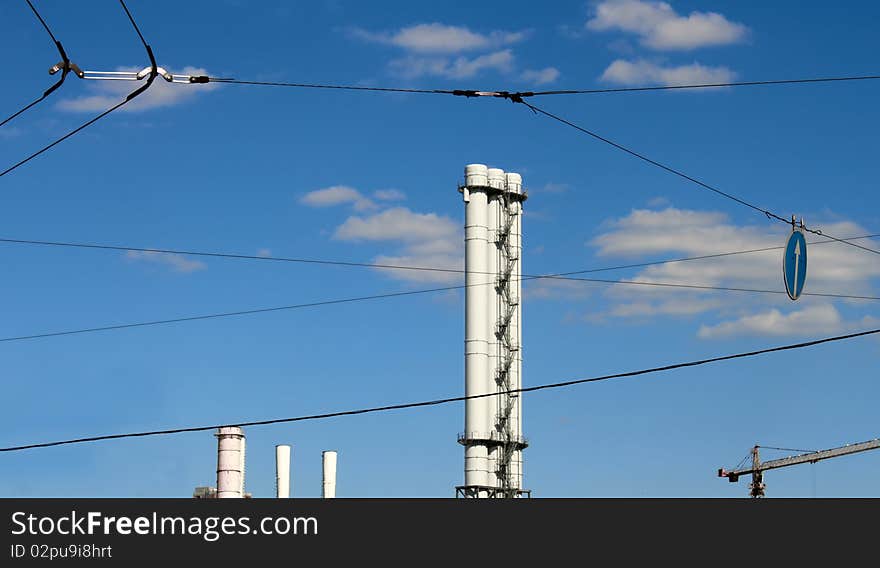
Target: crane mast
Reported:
point(756, 488)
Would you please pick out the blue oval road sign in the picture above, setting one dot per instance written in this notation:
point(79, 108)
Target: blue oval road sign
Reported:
point(794, 264)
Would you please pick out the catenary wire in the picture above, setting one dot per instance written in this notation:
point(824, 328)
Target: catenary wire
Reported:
point(526, 94)
point(42, 21)
point(518, 97)
point(707, 85)
point(769, 214)
point(65, 69)
point(332, 87)
point(401, 294)
point(318, 261)
point(436, 402)
point(131, 96)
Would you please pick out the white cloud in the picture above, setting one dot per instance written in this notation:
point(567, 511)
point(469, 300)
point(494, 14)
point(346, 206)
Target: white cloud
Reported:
point(660, 27)
point(812, 320)
point(389, 195)
point(161, 93)
point(673, 307)
point(647, 234)
point(659, 201)
point(398, 223)
point(177, 262)
point(441, 38)
point(454, 52)
point(641, 72)
point(264, 252)
point(337, 195)
point(426, 240)
point(458, 68)
point(694, 233)
point(540, 76)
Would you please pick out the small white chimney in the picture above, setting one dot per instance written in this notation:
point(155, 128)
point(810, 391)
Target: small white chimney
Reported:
point(282, 472)
point(230, 462)
point(329, 485)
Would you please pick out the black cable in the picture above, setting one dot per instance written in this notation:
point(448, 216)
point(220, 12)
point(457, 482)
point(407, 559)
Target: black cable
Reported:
point(333, 87)
point(42, 21)
point(134, 24)
point(707, 85)
point(408, 293)
point(440, 401)
point(132, 95)
point(226, 314)
point(742, 461)
point(679, 173)
point(788, 449)
point(234, 256)
point(64, 67)
point(704, 287)
point(512, 94)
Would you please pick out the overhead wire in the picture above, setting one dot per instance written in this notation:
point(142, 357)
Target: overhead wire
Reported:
point(386, 295)
point(64, 66)
point(769, 214)
point(526, 94)
point(205, 79)
point(330, 262)
point(440, 401)
point(150, 78)
point(519, 97)
point(706, 85)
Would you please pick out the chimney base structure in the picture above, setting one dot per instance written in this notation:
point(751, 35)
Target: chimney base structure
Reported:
point(492, 438)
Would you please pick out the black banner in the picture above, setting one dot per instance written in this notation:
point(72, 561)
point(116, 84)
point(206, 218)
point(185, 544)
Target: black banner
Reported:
point(407, 531)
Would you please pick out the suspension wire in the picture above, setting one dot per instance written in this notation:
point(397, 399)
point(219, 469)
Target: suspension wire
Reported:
point(42, 21)
point(204, 79)
point(769, 214)
point(402, 294)
point(152, 75)
point(707, 85)
point(64, 66)
point(440, 401)
point(355, 264)
point(525, 94)
point(742, 461)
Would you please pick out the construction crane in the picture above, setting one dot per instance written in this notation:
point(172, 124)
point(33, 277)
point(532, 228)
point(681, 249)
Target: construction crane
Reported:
point(756, 488)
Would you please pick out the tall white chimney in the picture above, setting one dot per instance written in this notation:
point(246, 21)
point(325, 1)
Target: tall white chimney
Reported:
point(492, 439)
point(230, 462)
point(477, 327)
point(282, 471)
point(328, 489)
point(513, 184)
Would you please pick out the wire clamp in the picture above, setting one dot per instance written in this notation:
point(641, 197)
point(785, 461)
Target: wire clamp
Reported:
point(67, 66)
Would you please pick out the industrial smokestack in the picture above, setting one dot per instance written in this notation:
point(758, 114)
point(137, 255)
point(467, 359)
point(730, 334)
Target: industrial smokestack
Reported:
point(230, 462)
point(476, 335)
point(282, 472)
point(492, 439)
point(242, 465)
point(328, 490)
point(513, 183)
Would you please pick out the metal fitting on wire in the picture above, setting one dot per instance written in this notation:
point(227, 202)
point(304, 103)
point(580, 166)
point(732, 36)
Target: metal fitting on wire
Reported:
point(144, 73)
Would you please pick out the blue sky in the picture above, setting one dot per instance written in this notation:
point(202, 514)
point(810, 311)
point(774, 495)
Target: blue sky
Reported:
point(372, 177)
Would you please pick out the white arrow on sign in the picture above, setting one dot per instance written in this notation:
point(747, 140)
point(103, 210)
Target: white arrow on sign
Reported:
point(797, 258)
